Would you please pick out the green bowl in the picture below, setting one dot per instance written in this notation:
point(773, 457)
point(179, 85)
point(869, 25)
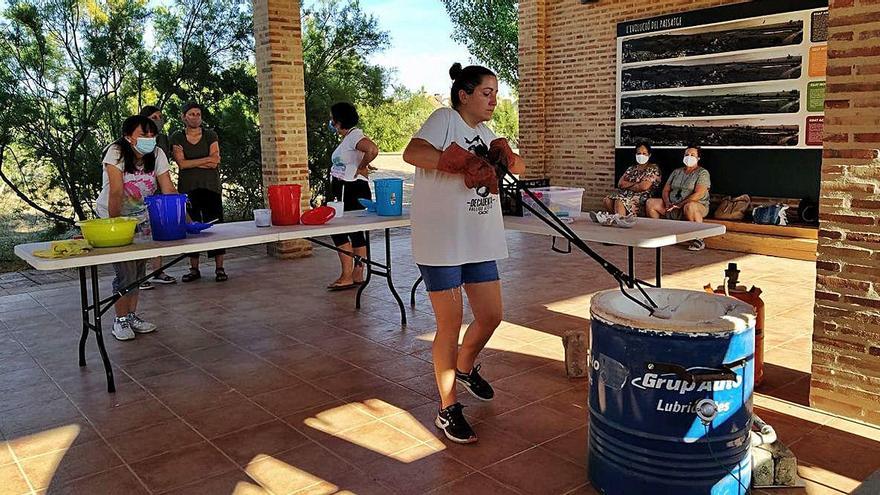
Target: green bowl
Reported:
point(109, 232)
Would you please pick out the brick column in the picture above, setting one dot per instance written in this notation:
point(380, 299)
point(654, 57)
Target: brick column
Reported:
point(278, 40)
point(532, 70)
point(846, 329)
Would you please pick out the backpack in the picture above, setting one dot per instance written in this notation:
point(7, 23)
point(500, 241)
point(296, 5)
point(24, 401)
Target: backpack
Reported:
point(770, 214)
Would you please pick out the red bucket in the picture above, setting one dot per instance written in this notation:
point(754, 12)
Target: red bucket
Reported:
point(284, 201)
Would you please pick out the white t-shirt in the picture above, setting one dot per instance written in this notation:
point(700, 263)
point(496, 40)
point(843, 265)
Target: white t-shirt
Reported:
point(136, 186)
point(346, 157)
point(451, 224)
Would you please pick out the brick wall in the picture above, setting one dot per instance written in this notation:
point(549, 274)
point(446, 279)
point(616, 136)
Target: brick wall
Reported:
point(278, 40)
point(846, 332)
point(567, 88)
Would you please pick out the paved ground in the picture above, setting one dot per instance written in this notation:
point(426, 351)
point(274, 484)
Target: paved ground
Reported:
point(269, 384)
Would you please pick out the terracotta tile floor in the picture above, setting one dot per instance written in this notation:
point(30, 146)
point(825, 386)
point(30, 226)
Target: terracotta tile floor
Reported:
point(268, 384)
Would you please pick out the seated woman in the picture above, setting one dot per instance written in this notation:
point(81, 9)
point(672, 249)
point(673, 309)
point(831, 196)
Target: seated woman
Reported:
point(637, 184)
point(134, 168)
point(685, 195)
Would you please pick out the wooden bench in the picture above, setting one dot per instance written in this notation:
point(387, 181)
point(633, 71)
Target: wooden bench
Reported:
point(786, 241)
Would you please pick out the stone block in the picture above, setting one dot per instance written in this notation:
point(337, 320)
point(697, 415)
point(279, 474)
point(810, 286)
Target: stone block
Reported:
point(575, 342)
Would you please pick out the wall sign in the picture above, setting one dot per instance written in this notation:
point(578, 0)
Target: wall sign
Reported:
point(746, 81)
point(815, 127)
point(816, 96)
point(744, 75)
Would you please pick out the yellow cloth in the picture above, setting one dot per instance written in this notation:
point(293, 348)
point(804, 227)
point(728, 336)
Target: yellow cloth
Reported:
point(64, 249)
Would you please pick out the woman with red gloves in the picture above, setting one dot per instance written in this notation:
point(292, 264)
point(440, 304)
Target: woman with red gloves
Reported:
point(458, 233)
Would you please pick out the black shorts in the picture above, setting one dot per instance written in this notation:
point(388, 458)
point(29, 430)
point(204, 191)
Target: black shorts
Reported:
point(354, 190)
point(204, 205)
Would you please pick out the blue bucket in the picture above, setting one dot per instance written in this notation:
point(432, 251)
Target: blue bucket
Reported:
point(167, 216)
point(671, 399)
point(389, 197)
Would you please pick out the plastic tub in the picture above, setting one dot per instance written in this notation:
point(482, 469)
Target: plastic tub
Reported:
point(563, 201)
point(167, 216)
point(389, 197)
point(109, 232)
point(263, 217)
point(284, 200)
point(339, 206)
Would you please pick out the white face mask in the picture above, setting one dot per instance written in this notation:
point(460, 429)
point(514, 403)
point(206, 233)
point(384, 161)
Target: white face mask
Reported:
point(641, 159)
point(690, 161)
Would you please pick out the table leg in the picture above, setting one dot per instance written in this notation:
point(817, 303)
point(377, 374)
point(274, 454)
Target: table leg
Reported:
point(99, 332)
point(630, 253)
point(388, 277)
point(84, 299)
point(369, 270)
point(658, 266)
point(373, 268)
point(412, 293)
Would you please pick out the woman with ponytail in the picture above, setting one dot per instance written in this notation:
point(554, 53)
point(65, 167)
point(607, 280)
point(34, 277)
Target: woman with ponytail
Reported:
point(458, 233)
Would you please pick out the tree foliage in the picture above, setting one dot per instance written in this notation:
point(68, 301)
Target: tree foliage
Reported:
point(505, 121)
point(337, 38)
point(72, 70)
point(69, 60)
point(489, 29)
point(393, 122)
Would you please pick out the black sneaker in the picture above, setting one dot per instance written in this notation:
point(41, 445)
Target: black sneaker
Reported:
point(453, 424)
point(475, 384)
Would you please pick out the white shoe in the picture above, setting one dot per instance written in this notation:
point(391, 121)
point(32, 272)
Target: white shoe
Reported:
point(122, 330)
point(139, 325)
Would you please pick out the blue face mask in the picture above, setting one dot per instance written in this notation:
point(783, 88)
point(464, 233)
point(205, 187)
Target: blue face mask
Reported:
point(145, 145)
point(331, 126)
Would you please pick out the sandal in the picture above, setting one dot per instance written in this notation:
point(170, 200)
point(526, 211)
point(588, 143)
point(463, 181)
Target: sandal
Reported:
point(220, 275)
point(193, 275)
point(335, 287)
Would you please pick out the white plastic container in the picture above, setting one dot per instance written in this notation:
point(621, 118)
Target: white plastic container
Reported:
point(263, 218)
point(565, 202)
point(339, 206)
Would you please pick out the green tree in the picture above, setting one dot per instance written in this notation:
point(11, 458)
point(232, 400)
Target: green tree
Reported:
point(505, 121)
point(69, 60)
point(489, 29)
point(392, 123)
point(337, 38)
point(204, 53)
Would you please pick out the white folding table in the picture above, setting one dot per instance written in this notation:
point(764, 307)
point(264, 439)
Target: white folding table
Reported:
point(227, 235)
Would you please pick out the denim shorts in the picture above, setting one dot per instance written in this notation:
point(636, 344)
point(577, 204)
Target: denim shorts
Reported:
point(438, 278)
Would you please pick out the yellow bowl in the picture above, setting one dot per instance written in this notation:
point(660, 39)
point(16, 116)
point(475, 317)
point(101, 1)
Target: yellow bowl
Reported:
point(109, 232)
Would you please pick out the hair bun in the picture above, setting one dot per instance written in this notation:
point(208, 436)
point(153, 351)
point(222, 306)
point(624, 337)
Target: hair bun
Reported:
point(455, 71)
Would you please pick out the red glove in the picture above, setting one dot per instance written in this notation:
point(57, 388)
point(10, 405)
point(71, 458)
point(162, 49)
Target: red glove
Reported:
point(477, 171)
point(501, 154)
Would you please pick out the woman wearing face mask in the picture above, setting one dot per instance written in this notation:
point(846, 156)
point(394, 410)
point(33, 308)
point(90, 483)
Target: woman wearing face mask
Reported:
point(458, 234)
point(636, 185)
point(155, 114)
point(348, 183)
point(134, 168)
point(685, 195)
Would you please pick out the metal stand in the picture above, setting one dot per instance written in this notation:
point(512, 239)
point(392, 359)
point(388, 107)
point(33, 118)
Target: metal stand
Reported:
point(91, 313)
point(372, 268)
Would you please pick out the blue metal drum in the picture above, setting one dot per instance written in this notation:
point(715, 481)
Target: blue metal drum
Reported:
point(671, 399)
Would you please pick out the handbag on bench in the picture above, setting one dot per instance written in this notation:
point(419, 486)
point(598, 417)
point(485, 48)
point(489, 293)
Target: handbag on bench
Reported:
point(733, 208)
